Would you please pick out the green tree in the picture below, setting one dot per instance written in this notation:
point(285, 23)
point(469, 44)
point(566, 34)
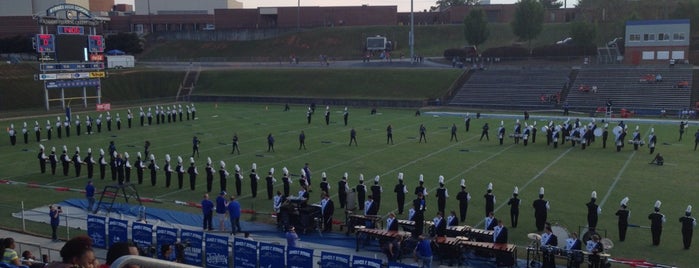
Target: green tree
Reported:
point(528, 21)
point(583, 33)
point(476, 27)
point(688, 10)
point(551, 4)
point(130, 43)
point(443, 4)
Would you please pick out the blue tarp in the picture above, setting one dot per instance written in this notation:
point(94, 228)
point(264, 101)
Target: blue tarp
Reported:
point(116, 52)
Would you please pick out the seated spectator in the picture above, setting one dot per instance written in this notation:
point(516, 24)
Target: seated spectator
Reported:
point(77, 252)
point(594, 89)
point(682, 84)
point(9, 255)
point(658, 78)
point(584, 88)
point(119, 249)
point(28, 259)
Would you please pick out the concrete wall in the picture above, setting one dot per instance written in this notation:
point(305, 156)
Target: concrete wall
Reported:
point(142, 7)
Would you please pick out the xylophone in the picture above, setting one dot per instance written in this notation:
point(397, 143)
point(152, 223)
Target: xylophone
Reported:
point(456, 231)
point(380, 234)
point(505, 254)
point(449, 249)
point(481, 235)
point(358, 219)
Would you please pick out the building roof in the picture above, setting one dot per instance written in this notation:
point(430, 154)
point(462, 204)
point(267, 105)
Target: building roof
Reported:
point(656, 22)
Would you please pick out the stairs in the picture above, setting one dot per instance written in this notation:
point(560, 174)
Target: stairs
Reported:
point(188, 83)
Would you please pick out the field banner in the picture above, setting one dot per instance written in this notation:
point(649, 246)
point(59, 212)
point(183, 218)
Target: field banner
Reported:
point(165, 236)
point(103, 106)
point(97, 231)
point(401, 265)
point(244, 253)
point(364, 262)
point(299, 257)
point(334, 260)
point(271, 255)
point(193, 240)
point(118, 230)
point(216, 251)
point(142, 235)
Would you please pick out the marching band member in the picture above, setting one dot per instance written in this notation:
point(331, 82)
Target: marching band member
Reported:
point(501, 131)
point(514, 203)
point(452, 219)
point(636, 138)
point(517, 131)
point(554, 136)
point(150, 116)
point(361, 192)
point(168, 171)
point(180, 172)
point(565, 130)
point(652, 139)
point(463, 198)
point(533, 132)
point(593, 210)
point(141, 115)
point(153, 169)
point(90, 162)
point(103, 164)
point(88, 125)
point(42, 159)
point(490, 222)
point(223, 174)
point(421, 189)
point(65, 160)
point(238, 180)
point(109, 121)
point(253, 180)
point(549, 133)
point(574, 247)
point(683, 125)
point(419, 206)
point(77, 161)
point(53, 160)
point(129, 117)
point(324, 184)
point(541, 208)
point(140, 166)
point(391, 222)
point(13, 135)
point(400, 189)
point(270, 183)
point(286, 181)
point(688, 224)
point(59, 127)
point(440, 226)
point(37, 131)
point(500, 233)
point(525, 136)
point(595, 247)
point(620, 140)
point(192, 171)
point(376, 191)
point(370, 208)
point(209, 169)
point(342, 188)
point(327, 210)
point(548, 240)
point(584, 137)
point(484, 133)
point(442, 195)
point(77, 124)
point(656, 223)
point(605, 135)
point(98, 123)
point(489, 199)
point(48, 129)
point(25, 133)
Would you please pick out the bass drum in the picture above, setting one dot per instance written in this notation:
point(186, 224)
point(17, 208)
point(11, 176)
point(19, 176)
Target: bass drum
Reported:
point(561, 233)
point(598, 132)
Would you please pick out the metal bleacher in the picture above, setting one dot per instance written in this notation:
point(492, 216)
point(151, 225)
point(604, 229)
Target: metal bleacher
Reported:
point(623, 85)
point(518, 88)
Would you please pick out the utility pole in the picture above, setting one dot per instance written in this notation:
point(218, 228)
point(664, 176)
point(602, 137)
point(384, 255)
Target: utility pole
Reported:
point(411, 36)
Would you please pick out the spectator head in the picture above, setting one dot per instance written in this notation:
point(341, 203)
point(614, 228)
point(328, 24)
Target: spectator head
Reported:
point(27, 255)
point(120, 249)
point(78, 251)
point(8, 242)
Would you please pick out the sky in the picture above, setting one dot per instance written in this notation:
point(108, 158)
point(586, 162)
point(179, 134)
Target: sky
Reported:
point(403, 5)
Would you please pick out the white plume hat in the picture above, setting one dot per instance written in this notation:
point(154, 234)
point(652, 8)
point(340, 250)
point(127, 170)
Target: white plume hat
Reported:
point(345, 175)
point(594, 194)
point(377, 178)
point(152, 157)
point(179, 159)
point(223, 164)
point(400, 175)
point(541, 191)
point(237, 168)
point(516, 191)
point(191, 160)
point(323, 175)
point(285, 171)
point(658, 203)
point(53, 149)
point(208, 160)
point(441, 179)
point(138, 154)
point(167, 157)
point(65, 148)
point(490, 186)
point(689, 209)
point(624, 201)
point(361, 177)
point(101, 151)
point(254, 166)
point(422, 177)
point(41, 146)
point(463, 183)
point(126, 154)
point(271, 170)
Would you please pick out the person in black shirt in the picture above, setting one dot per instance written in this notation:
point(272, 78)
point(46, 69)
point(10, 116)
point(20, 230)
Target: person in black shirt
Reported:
point(489, 200)
point(656, 223)
point(514, 203)
point(593, 211)
point(235, 144)
point(463, 197)
point(484, 133)
point(623, 222)
point(389, 134)
point(453, 133)
point(422, 133)
point(302, 140)
point(400, 189)
point(361, 192)
point(688, 223)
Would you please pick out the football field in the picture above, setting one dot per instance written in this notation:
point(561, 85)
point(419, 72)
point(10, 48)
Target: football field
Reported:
point(568, 174)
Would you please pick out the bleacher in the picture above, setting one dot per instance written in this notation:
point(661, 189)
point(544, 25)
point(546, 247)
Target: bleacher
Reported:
point(624, 86)
point(511, 88)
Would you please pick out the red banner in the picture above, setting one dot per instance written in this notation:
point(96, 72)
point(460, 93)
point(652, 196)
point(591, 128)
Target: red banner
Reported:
point(104, 107)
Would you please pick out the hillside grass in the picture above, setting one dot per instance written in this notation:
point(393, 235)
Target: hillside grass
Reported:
point(348, 43)
point(568, 174)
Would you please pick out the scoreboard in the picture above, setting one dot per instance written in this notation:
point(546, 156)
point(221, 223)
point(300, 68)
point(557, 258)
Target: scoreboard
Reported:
point(95, 43)
point(45, 43)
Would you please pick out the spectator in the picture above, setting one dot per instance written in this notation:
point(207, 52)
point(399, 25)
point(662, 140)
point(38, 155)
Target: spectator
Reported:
point(118, 250)
point(234, 214)
point(221, 210)
point(9, 255)
point(54, 214)
point(291, 237)
point(77, 252)
point(90, 195)
point(423, 252)
point(658, 78)
point(31, 261)
point(207, 208)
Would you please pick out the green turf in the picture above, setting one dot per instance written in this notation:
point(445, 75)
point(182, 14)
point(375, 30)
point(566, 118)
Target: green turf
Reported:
point(568, 174)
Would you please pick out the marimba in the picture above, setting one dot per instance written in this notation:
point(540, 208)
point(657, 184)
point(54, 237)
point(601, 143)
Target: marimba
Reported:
point(480, 235)
point(380, 234)
point(358, 219)
point(505, 254)
point(456, 231)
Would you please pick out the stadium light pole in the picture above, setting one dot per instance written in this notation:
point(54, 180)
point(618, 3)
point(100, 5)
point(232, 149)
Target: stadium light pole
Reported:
point(411, 35)
point(298, 16)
